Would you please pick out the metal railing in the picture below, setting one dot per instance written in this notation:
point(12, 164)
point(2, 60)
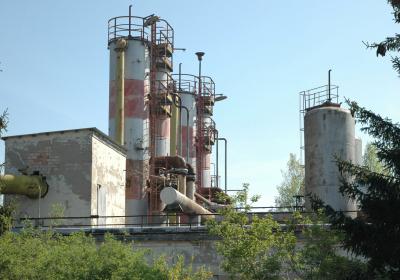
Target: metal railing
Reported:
point(186, 82)
point(207, 86)
point(171, 221)
point(318, 96)
point(134, 27)
point(312, 98)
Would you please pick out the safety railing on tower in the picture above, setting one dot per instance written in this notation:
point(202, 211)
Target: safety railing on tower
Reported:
point(312, 98)
point(135, 27)
point(186, 82)
point(127, 26)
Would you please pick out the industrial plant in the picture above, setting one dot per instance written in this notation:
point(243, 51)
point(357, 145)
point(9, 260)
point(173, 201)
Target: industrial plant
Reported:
point(156, 157)
point(153, 167)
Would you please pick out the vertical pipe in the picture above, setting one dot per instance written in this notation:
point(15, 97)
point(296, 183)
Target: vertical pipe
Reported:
point(180, 73)
point(226, 166)
point(217, 158)
point(329, 85)
point(130, 15)
point(226, 162)
point(190, 189)
point(182, 184)
point(187, 134)
point(120, 88)
point(174, 124)
point(179, 128)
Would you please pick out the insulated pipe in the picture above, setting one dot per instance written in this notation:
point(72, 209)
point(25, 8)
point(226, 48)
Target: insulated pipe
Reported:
point(190, 179)
point(120, 87)
point(174, 129)
point(171, 196)
point(190, 189)
point(34, 186)
point(182, 184)
point(212, 205)
point(180, 106)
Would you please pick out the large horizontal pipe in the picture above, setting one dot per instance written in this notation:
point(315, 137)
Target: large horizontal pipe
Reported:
point(171, 196)
point(34, 186)
point(170, 162)
point(212, 205)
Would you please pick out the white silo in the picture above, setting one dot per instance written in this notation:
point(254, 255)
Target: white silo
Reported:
point(136, 119)
point(187, 90)
point(129, 98)
point(328, 134)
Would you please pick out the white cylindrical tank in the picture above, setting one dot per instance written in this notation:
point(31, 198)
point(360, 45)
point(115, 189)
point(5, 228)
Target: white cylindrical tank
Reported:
point(206, 170)
point(162, 121)
point(136, 129)
point(188, 129)
point(328, 133)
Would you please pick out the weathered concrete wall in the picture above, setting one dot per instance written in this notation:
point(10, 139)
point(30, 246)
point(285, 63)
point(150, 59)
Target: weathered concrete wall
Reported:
point(79, 165)
point(65, 160)
point(200, 253)
point(195, 244)
point(108, 172)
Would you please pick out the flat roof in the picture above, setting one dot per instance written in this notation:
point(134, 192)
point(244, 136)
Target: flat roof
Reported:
point(94, 130)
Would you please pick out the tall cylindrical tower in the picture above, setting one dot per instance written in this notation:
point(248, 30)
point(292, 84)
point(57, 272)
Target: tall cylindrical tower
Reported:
point(163, 120)
point(186, 86)
point(146, 66)
point(328, 133)
point(136, 118)
point(205, 135)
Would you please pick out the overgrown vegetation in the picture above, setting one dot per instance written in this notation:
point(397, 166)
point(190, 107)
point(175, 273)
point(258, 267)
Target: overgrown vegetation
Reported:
point(46, 255)
point(292, 184)
point(257, 246)
point(7, 210)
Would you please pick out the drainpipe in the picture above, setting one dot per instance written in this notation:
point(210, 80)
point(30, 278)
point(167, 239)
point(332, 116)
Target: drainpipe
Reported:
point(34, 186)
point(120, 88)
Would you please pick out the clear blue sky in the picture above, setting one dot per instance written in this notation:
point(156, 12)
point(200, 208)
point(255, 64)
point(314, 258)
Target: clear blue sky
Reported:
point(261, 53)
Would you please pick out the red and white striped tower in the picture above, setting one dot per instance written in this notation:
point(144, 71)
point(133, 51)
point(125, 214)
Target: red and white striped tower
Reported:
point(163, 119)
point(136, 115)
point(205, 135)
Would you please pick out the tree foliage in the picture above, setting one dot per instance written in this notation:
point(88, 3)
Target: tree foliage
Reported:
point(292, 184)
point(250, 252)
point(47, 255)
point(371, 160)
point(6, 211)
point(375, 234)
point(257, 246)
point(391, 43)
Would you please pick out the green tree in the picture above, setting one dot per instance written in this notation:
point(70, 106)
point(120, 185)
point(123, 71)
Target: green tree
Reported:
point(371, 160)
point(6, 211)
point(46, 255)
point(392, 43)
point(320, 256)
point(292, 184)
point(375, 234)
point(257, 246)
point(255, 251)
